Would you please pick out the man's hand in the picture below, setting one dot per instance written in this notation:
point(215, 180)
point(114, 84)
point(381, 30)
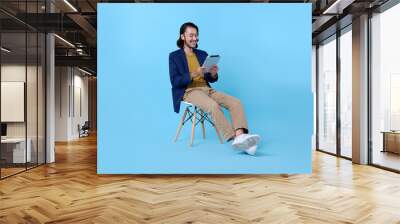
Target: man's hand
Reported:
point(198, 73)
point(214, 71)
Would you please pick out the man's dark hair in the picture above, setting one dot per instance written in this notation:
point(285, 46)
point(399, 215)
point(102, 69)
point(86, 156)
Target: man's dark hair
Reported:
point(182, 30)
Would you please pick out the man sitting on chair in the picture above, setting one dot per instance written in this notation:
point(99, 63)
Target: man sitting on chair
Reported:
point(190, 83)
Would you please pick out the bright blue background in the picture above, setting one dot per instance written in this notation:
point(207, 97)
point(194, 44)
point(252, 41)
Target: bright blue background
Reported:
point(265, 62)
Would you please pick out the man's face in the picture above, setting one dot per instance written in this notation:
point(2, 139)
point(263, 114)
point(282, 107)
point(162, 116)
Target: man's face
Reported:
point(190, 37)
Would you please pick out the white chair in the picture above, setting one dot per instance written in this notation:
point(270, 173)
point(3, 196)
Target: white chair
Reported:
point(196, 115)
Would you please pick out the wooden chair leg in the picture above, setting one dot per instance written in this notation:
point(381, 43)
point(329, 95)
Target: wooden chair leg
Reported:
point(202, 126)
point(178, 131)
point(193, 126)
point(204, 130)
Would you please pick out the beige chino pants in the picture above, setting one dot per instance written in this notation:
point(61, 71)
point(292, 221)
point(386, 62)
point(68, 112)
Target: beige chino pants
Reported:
point(210, 101)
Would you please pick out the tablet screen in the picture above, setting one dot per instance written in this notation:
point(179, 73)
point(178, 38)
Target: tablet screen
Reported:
point(210, 61)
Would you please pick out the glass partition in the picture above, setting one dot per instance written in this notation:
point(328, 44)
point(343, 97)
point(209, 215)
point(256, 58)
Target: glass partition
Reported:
point(22, 78)
point(14, 151)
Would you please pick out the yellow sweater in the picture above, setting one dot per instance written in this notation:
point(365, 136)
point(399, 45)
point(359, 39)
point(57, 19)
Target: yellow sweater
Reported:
point(193, 64)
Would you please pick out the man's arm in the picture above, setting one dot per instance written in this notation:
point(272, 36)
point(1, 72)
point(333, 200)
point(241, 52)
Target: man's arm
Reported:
point(211, 77)
point(177, 79)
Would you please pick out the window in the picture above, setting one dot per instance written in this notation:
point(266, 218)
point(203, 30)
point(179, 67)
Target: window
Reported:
point(327, 95)
point(385, 89)
point(346, 92)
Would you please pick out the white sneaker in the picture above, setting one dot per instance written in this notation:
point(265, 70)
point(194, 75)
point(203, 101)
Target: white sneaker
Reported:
point(252, 150)
point(245, 141)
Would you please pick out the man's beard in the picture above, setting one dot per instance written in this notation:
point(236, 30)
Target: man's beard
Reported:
point(188, 44)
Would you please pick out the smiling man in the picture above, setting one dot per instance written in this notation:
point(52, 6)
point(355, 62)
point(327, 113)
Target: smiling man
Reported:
point(190, 83)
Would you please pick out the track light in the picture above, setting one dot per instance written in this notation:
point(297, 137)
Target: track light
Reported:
point(5, 50)
point(84, 71)
point(64, 40)
point(338, 6)
point(70, 5)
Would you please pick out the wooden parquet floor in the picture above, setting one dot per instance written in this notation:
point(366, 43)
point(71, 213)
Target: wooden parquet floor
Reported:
point(70, 191)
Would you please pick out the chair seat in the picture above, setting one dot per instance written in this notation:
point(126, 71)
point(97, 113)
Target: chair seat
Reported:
point(187, 103)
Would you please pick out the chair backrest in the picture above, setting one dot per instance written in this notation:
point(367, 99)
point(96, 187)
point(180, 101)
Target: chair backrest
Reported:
point(86, 125)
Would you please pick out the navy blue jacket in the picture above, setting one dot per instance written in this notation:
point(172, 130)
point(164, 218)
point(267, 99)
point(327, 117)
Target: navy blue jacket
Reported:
point(179, 74)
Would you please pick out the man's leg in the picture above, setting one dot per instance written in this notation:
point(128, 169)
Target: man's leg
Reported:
point(242, 140)
point(199, 98)
point(235, 108)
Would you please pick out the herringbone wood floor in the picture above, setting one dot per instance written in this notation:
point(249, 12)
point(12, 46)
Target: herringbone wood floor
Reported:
point(70, 191)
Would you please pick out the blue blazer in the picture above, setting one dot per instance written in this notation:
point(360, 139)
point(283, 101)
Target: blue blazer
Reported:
point(179, 74)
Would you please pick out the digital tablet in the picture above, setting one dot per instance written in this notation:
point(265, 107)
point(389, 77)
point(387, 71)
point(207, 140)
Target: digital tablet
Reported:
point(210, 61)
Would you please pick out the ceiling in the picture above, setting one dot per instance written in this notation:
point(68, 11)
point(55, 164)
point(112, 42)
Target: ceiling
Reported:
point(76, 22)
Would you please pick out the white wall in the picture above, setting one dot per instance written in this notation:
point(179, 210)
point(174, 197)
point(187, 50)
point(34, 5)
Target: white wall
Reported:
point(15, 72)
point(82, 83)
point(62, 82)
point(9, 73)
point(314, 91)
point(71, 94)
point(12, 100)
